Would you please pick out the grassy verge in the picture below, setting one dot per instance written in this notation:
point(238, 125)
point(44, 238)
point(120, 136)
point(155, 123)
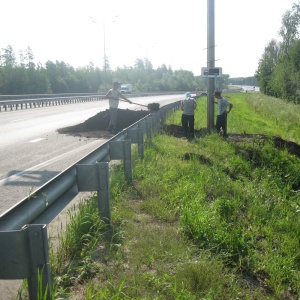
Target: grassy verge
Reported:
point(208, 219)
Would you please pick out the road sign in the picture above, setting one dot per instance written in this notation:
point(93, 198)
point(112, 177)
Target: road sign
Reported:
point(211, 72)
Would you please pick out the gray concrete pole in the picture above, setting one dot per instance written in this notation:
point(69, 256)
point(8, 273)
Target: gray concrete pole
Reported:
point(210, 62)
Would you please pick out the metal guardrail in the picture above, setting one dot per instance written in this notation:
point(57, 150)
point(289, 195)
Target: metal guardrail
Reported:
point(13, 103)
point(38, 96)
point(23, 230)
point(41, 102)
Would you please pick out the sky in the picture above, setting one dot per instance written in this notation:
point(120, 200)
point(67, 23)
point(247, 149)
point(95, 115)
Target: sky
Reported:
point(167, 32)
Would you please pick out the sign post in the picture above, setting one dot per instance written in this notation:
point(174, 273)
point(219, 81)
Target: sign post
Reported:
point(211, 72)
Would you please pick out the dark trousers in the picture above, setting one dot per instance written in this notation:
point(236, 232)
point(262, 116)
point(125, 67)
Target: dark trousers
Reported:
point(112, 126)
point(222, 123)
point(188, 122)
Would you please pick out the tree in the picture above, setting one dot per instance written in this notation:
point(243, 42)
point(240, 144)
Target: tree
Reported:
point(289, 27)
point(266, 65)
point(282, 84)
point(148, 64)
point(286, 75)
point(106, 65)
point(29, 57)
point(8, 58)
point(22, 58)
point(139, 64)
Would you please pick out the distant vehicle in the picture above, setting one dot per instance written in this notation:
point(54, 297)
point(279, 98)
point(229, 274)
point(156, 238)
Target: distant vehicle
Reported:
point(126, 88)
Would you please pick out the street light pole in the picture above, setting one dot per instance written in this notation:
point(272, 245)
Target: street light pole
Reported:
point(104, 47)
point(104, 44)
point(104, 54)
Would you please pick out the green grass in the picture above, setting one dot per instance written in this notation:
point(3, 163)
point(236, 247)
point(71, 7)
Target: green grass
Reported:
point(207, 219)
point(280, 117)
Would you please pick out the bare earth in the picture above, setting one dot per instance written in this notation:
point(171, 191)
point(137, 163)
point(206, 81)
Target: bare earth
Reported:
point(95, 127)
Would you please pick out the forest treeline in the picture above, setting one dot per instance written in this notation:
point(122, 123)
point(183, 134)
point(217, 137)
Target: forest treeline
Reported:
point(278, 71)
point(22, 76)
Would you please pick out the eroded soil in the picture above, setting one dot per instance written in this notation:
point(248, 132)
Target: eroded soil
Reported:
point(95, 127)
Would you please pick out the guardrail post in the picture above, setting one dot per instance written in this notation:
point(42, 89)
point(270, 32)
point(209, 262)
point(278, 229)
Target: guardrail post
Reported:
point(155, 123)
point(137, 137)
point(24, 254)
point(163, 116)
point(41, 279)
point(103, 192)
point(122, 150)
point(128, 161)
point(141, 142)
point(96, 178)
point(146, 125)
point(149, 131)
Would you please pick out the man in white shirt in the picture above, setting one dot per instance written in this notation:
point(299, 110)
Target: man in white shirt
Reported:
point(113, 96)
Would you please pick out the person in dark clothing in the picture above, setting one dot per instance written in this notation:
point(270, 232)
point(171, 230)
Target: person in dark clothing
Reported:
point(188, 106)
point(223, 104)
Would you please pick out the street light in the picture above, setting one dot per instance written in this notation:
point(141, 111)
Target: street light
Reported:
point(105, 60)
point(104, 42)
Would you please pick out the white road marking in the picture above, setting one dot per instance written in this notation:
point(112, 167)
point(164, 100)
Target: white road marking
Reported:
point(18, 120)
point(37, 140)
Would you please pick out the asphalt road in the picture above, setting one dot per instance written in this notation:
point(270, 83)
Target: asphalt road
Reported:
point(32, 152)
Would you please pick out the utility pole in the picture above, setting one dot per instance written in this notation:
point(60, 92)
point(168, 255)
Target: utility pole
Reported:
point(210, 62)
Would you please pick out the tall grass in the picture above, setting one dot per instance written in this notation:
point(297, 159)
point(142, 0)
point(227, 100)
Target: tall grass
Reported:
point(279, 116)
point(207, 219)
point(283, 116)
point(245, 211)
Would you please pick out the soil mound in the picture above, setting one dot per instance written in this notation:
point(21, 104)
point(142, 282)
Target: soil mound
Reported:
point(96, 126)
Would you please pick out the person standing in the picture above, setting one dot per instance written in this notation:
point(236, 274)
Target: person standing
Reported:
point(223, 104)
point(113, 95)
point(188, 106)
